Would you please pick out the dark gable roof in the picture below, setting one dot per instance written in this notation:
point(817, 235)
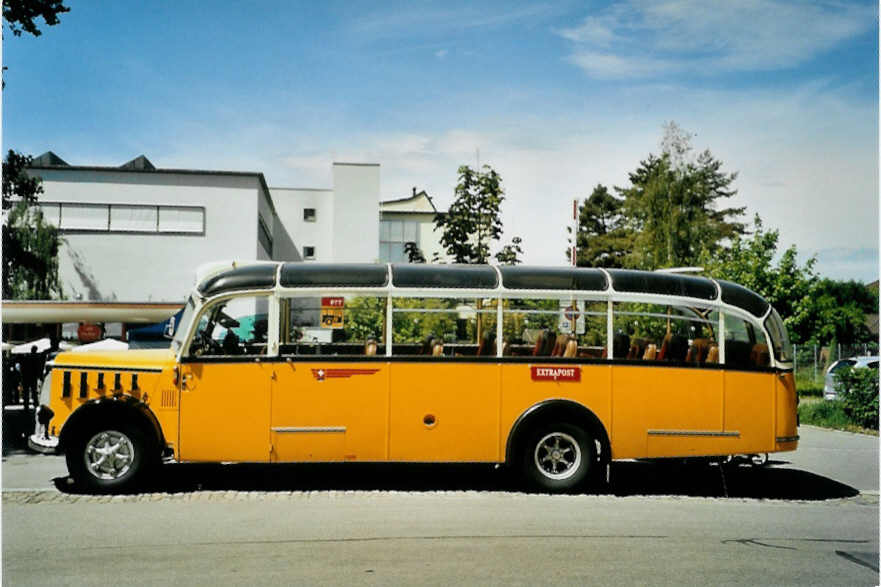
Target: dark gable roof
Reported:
point(139, 162)
point(49, 159)
point(409, 198)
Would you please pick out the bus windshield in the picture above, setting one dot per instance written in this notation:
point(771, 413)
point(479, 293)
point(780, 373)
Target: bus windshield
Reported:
point(184, 325)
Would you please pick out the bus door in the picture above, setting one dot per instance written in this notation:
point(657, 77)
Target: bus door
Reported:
point(668, 391)
point(329, 390)
point(225, 385)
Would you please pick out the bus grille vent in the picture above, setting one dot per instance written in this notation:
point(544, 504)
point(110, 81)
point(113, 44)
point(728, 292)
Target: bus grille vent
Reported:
point(169, 398)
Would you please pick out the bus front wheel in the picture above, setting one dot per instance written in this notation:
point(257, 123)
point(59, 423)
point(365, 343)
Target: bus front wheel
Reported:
point(107, 459)
point(558, 457)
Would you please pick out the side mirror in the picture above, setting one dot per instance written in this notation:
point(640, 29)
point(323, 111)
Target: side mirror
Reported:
point(169, 330)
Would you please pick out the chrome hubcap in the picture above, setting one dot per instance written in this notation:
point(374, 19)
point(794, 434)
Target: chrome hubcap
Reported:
point(109, 454)
point(557, 455)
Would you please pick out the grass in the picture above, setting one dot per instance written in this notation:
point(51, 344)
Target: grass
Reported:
point(818, 412)
point(809, 387)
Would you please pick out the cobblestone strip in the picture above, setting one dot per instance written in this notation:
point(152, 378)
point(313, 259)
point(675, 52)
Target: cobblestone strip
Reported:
point(47, 496)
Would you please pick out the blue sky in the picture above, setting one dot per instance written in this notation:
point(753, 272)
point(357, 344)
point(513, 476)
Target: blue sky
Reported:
point(557, 96)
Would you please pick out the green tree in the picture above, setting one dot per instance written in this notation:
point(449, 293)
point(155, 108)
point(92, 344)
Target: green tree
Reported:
point(30, 245)
point(19, 16)
point(473, 220)
point(673, 205)
point(840, 312)
point(787, 286)
point(510, 253)
point(603, 239)
point(414, 253)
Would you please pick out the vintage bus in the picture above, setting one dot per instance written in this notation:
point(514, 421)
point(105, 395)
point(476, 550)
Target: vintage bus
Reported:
point(554, 371)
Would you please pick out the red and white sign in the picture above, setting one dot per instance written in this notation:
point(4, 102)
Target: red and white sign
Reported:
point(549, 373)
point(332, 302)
point(88, 332)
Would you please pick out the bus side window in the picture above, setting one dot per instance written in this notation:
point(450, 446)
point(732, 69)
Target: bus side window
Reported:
point(739, 342)
point(237, 326)
point(343, 325)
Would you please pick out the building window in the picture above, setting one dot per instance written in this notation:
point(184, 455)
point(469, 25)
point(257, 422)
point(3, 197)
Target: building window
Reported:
point(264, 236)
point(393, 234)
point(85, 217)
point(134, 218)
point(308, 214)
point(181, 219)
point(124, 218)
point(309, 253)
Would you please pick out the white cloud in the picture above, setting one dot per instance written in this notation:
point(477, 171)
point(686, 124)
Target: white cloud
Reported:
point(651, 38)
point(441, 53)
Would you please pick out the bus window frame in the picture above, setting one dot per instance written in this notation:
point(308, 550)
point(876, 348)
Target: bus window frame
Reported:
point(500, 293)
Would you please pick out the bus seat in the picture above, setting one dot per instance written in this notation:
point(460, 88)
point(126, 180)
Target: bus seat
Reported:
point(637, 348)
point(438, 349)
point(550, 341)
point(651, 352)
point(737, 352)
point(697, 352)
point(506, 349)
point(760, 356)
point(713, 354)
point(370, 347)
point(560, 345)
point(571, 348)
point(620, 345)
point(487, 347)
point(428, 345)
point(539, 344)
point(674, 348)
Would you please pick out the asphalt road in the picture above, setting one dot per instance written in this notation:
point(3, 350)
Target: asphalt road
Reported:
point(811, 518)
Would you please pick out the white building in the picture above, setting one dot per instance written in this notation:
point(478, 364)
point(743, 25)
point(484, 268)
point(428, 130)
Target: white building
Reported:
point(138, 233)
point(339, 224)
point(409, 219)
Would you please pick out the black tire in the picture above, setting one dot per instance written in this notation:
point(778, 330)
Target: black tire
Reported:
point(108, 458)
point(558, 457)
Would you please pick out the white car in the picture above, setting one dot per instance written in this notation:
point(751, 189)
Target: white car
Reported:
point(829, 392)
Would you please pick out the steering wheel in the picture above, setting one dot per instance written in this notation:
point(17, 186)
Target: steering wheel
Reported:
point(206, 345)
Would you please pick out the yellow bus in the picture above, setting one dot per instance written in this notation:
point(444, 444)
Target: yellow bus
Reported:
point(554, 371)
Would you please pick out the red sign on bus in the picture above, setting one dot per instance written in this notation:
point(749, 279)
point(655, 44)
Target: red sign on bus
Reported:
point(332, 302)
point(548, 373)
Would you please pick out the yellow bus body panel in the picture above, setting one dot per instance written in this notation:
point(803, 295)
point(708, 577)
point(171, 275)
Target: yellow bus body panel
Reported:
point(155, 384)
point(444, 412)
point(328, 411)
point(224, 411)
point(428, 411)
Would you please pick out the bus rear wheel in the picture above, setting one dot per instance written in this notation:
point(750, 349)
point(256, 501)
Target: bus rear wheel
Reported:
point(558, 457)
point(107, 459)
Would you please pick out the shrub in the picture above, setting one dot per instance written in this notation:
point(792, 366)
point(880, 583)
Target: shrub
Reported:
point(858, 390)
point(825, 414)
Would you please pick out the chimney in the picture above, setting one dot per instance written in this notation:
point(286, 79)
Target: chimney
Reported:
point(414, 191)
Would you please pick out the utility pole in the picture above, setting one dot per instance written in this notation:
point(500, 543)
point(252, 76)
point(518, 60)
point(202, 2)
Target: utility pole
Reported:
point(574, 231)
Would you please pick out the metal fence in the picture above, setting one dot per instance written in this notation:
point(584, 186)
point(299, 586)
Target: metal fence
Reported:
point(811, 361)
